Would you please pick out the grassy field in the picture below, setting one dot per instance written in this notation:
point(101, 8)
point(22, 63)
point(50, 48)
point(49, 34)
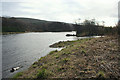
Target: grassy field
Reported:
point(85, 58)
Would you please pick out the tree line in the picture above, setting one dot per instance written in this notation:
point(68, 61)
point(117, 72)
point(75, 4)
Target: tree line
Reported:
point(93, 28)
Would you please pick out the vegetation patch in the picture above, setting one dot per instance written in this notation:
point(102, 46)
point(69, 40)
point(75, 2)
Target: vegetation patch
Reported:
point(56, 56)
point(65, 60)
point(101, 74)
point(60, 69)
point(66, 53)
point(53, 52)
point(18, 75)
point(42, 74)
point(68, 43)
point(83, 50)
point(34, 66)
point(41, 58)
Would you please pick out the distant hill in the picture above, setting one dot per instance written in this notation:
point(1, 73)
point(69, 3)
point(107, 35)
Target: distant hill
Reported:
point(14, 24)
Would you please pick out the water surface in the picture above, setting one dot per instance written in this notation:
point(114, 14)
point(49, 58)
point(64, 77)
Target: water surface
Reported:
point(26, 48)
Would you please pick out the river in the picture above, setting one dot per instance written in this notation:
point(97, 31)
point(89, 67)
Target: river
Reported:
point(26, 48)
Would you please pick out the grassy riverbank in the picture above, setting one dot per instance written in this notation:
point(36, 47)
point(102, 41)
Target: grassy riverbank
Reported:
point(6, 33)
point(85, 58)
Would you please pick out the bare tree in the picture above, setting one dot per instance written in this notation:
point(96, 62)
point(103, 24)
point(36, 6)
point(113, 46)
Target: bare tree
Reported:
point(103, 22)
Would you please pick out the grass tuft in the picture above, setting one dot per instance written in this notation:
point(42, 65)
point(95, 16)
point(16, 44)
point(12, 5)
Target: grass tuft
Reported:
point(42, 74)
point(34, 66)
point(18, 75)
point(83, 51)
point(101, 74)
point(53, 52)
point(65, 60)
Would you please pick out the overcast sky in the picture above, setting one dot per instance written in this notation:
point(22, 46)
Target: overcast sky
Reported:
point(63, 10)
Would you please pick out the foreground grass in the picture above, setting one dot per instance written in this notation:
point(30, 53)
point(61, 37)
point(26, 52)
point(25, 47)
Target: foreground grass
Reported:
point(18, 75)
point(68, 43)
point(85, 58)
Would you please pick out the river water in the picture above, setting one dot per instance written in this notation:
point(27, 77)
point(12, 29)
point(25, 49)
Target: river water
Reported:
point(26, 48)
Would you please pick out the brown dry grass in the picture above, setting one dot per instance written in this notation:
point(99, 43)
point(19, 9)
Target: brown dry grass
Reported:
point(96, 57)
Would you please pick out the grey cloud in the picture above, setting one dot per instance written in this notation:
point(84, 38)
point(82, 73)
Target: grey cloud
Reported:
point(11, 8)
point(62, 10)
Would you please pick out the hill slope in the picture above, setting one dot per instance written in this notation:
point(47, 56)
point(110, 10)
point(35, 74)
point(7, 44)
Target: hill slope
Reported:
point(13, 24)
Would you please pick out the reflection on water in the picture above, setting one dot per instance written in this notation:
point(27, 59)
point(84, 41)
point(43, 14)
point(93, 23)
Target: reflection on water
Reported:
point(26, 48)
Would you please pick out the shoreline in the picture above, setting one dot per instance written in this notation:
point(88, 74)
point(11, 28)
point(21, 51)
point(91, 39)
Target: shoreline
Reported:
point(5, 33)
point(79, 59)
